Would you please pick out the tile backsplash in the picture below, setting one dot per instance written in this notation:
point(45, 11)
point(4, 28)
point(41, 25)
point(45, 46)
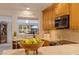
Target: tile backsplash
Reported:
point(71, 35)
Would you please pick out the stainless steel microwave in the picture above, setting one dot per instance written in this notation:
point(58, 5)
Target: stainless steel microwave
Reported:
point(62, 22)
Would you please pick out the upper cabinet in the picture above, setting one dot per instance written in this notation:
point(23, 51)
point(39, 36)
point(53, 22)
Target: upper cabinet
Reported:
point(47, 19)
point(62, 9)
point(56, 10)
point(74, 16)
point(50, 13)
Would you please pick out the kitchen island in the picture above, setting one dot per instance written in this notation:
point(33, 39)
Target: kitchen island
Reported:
point(14, 52)
point(69, 49)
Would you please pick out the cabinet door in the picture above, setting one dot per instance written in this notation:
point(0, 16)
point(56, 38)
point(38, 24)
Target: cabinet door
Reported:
point(45, 21)
point(50, 18)
point(53, 18)
point(58, 9)
point(62, 9)
point(74, 16)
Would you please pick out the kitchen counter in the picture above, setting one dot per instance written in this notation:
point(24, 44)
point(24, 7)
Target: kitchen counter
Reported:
point(14, 52)
point(69, 49)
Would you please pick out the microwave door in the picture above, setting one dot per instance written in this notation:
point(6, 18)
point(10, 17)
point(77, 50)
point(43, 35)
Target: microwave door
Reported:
point(58, 23)
point(62, 22)
point(65, 22)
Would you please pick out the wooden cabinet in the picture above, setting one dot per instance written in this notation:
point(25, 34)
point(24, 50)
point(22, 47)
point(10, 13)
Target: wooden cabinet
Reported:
point(44, 20)
point(62, 9)
point(50, 18)
point(47, 17)
point(56, 10)
point(51, 13)
point(66, 9)
point(74, 16)
point(69, 9)
point(53, 18)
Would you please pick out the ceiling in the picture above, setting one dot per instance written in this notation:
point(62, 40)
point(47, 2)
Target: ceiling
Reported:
point(35, 8)
point(23, 6)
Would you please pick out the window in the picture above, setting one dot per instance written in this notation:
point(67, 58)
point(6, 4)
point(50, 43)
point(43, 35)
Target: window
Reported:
point(28, 26)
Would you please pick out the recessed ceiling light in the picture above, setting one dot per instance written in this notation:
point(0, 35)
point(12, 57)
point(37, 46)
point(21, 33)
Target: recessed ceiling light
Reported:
point(28, 8)
point(27, 21)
